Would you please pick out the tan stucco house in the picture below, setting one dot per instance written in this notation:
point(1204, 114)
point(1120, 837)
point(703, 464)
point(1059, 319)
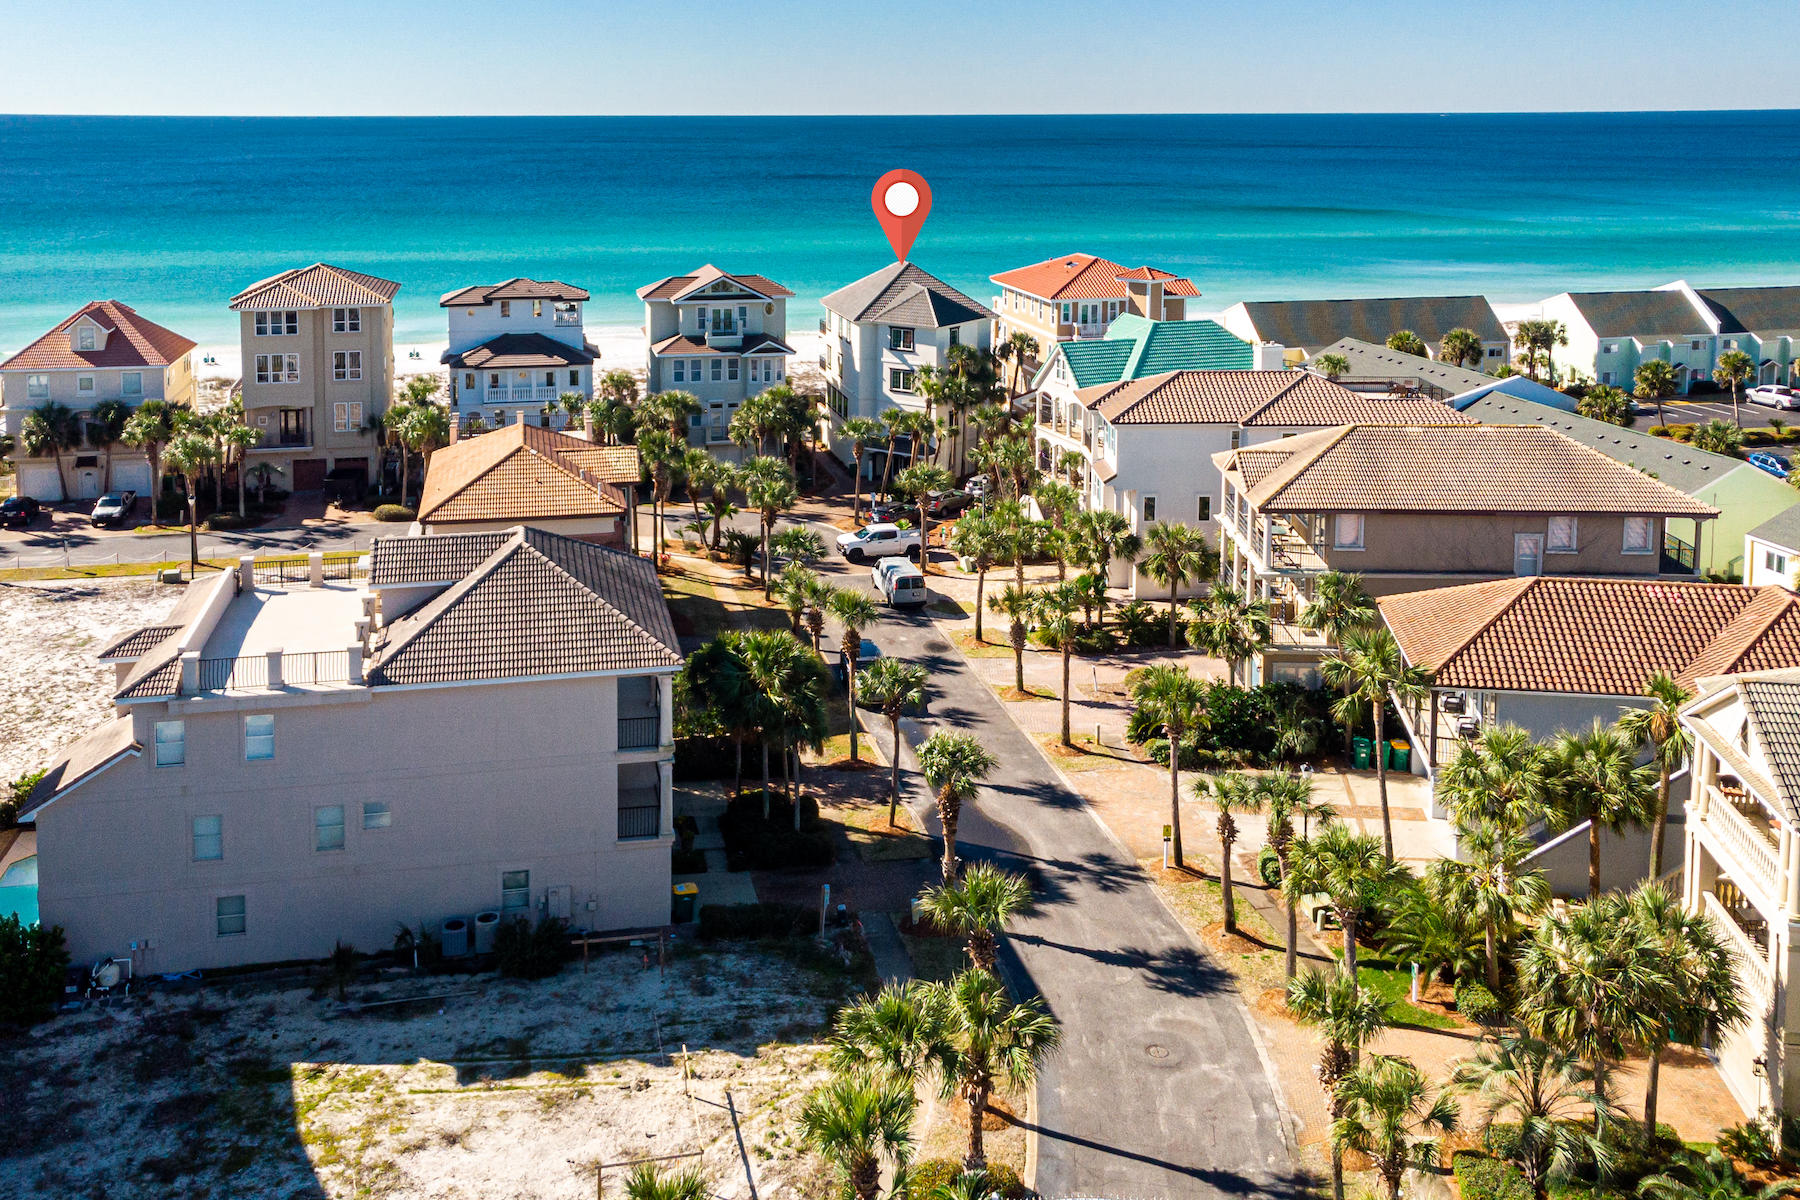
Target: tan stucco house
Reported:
point(528, 474)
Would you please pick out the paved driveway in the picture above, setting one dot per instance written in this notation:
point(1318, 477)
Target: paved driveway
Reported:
point(1160, 1090)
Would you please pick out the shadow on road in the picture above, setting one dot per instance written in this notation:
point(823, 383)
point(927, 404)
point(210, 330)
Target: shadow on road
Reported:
point(1283, 1183)
point(1177, 971)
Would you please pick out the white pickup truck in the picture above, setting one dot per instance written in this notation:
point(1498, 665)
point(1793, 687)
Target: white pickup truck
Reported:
point(878, 541)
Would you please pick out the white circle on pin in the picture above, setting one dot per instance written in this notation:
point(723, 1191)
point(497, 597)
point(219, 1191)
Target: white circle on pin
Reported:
point(901, 199)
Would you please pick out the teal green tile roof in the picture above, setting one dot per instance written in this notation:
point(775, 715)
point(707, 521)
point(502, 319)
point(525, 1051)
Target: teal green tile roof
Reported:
point(1135, 347)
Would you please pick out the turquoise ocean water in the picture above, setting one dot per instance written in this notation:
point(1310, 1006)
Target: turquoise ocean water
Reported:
point(172, 215)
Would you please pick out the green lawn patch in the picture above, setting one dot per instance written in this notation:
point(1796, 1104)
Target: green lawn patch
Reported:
point(1393, 983)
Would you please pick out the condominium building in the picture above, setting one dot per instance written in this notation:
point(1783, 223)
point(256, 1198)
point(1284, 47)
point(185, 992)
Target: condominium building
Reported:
point(719, 337)
point(318, 753)
point(318, 347)
point(516, 348)
point(1611, 334)
point(1302, 328)
point(1080, 295)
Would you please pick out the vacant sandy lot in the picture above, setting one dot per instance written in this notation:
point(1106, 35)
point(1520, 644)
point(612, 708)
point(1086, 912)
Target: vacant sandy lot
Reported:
point(49, 634)
point(504, 1089)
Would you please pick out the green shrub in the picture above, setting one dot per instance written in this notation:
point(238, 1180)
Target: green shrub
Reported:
point(17, 794)
point(1141, 625)
point(395, 512)
point(522, 952)
point(1489, 1179)
point(1750, 1142)
point(32, 963)
point(753, 844)
point(725, 922)
point(1474, 1001)
point(926, 1178)
point(1268, 865)
point(228, 520)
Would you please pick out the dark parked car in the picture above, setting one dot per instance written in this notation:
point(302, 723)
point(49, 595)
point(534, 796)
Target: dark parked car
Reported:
point(16, 512)
point(889, 511)
point(114, 508)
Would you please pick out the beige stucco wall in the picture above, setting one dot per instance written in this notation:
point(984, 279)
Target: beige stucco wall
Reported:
point(316, 390)
point(1459, 544)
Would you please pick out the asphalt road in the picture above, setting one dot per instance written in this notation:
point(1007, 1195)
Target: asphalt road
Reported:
point(1160, 1090)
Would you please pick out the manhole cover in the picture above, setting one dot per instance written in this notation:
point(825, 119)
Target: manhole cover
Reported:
point(1157, 1051)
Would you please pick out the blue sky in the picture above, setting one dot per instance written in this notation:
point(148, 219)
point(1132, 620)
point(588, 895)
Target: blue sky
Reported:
point(335, 57)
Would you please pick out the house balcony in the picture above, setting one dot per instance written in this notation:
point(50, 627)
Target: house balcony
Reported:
point(1748, 935)
point(728, 338)
point(518, 397)
point(640, 801)
point(1742, 836)
point(1090, 329)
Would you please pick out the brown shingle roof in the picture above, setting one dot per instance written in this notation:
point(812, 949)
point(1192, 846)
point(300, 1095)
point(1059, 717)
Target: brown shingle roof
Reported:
point(512, 289)
point(80, 761)
point(675, 286)
point(521, 350)
point(1086, 277)
point(131, 341)
point(1264, 398)
point(1591, 636)
point(902, 294)
point(540, 604)
point(1315, 323)
point(1455, 468)
point(756, 343)
point(525, 472)
point(135, 643)
point(318, 286)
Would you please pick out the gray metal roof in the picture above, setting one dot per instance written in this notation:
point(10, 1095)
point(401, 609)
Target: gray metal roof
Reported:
point(902, 294)
point(1681, 467)
point(1760, 310)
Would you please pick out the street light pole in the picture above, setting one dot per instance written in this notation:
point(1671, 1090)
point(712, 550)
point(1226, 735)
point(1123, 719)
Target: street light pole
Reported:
point(193, 537)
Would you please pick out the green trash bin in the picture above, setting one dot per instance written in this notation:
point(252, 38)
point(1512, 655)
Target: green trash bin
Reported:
point(1362, 753)
point(686, 897)
point(1399, 756)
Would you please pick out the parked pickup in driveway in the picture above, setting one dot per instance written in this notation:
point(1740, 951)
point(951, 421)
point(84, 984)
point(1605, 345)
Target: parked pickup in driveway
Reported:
point(114, 508)
point(878, 541)
point(898, 582)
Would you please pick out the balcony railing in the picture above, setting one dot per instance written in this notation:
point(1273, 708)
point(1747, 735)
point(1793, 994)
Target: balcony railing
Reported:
point(640, 812)
point(1751, 853)
point(640, 733)
point(251, 672)
point(1753, 960)
point(290, 437)
point(526, 397)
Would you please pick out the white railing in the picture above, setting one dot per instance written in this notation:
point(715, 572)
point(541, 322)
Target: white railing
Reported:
point(1753, 960)
point(534, 397)
point(1750, 851)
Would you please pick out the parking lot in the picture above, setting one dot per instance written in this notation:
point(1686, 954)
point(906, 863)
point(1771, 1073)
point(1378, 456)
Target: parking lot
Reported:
point(1699, 411)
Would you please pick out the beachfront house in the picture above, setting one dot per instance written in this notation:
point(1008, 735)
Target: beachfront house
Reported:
point(1743, 870)
point(1612, 333)
point(1430, 506)
point(1143, 446)
point(1078, 296)
point(1772, 550)
point(318, 349)
point(516, 350)
point(528, 474)
point(479, 729)
point(720, 337)
point(878, 332)
point(1302, 328)
point(102, 359)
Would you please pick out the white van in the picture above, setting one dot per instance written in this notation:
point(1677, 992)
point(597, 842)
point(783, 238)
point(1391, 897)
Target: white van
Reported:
point(898, 582)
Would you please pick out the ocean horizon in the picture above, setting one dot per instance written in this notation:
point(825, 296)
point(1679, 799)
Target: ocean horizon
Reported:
point(172, 215)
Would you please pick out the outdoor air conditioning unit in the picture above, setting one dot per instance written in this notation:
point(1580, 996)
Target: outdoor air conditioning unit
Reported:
point(1468, 727)
point(1451, 702)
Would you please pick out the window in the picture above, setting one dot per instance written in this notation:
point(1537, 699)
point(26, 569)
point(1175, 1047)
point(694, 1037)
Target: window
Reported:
point(37, 387)
point(900, 338)
point(955, 335)
point(469, 381)
point(346, 364)
point(347, 416)
point(209, 839)
point(1528, 554)
point(731, 369)
point(1237, 438)
point(1495, 352)
point(549, 379)
point(277, 324)
point(537, 308)
point(493, 381)
point(515, 893)
point(171, 743)
point(1149, 509)
point(900, 379)
point(259, 737)
point(1606, 377)
point(718, 369)
point(1203, 509)
point(377, 815)
point(131, 383)
point(278, 368)
point(1562, 536)
point(84, 337)
point(328, 828)
point(1068, 313)
point(1694, 345)
point(84, 385)
point(346, 320)
point(575, 378)
point(1347, 532)
point(1775, 562)
point(694, 369)
point(506, 308)
point(1609, 347)
point(1638, 534)
point(744, 317)
point(680, 370)
point(229, 912)
point(1730, 344)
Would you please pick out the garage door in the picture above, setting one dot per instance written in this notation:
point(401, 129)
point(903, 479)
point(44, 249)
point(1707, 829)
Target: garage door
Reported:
point(40, 481)
point(131, 475)
point(309, 474)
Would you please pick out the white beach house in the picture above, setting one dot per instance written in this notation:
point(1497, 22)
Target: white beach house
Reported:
point(718, 336)
point(515, 347)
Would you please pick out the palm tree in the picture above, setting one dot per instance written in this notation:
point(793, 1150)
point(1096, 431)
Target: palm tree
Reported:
point(891, 1035)
point(990, 1040)
point(658, 451)
point(791, 591)
point(150, 428)
point(647, 1181)
point(1176, 701)
point(1501, 777)
point(187, 455)
point(1603, 402)
point(1350, 868)
point(1714, 1177)
point(49, 430)
point(853, 1120)
point(790, 684)
point(891, 686)
point(1017, 605)
point(1332, 366)
point(899, 422)
point(1369, 668)
point(854, 612)
point(1339, 604)
point(974, 539)
point(977, 904)
point(1108, 535)
point(1654, 380)
point(1231, 793)
point(1542, 1090)
point(239, 439)
point(1230, 625)
point(1540, 339)
point(1391, 1114)
point(673, 410)
point(1054, 610)
point(1718, 437)
point(1175, 555)
point(1492, 884)
point(1021, 348)
point(1461, 348)
point(954, 765)
point(1347, 1019)
point(1405, 341)
point(1595, 778)
point(818, 596)
point(860, 431)
point(1287, 795)
point(1700, 997)
point(919, 481)
point(105, 425)
point(770, 489)
point(1658, 726)
point(1733, 367)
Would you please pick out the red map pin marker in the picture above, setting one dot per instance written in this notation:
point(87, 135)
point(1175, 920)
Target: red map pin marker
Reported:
point(902, 201)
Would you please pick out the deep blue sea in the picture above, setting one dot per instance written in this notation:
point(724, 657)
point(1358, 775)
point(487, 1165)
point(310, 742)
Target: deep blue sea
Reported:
point(172, 215)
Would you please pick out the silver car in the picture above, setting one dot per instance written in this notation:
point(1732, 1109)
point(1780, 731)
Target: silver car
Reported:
point(1774, 395)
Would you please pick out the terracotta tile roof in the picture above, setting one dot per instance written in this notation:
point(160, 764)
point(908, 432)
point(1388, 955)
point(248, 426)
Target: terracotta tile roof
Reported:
point(512, 289)
point(539, 604)
point(1264, 398)
point(675, 287)
point(1086, 277)
point(131, 341)
point(1591, 636)
point(80, 761)
point(521, 350)
point(135, 643)
point(902, 294)
point(1309, 324)
point(399, 560)
point(524, 472)
point(681, 346)
point(1455, 468)
point(318, 286)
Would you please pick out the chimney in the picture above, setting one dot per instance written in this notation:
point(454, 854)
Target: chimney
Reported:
point(587, 426)
point(520, 414)
point(455, 427)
